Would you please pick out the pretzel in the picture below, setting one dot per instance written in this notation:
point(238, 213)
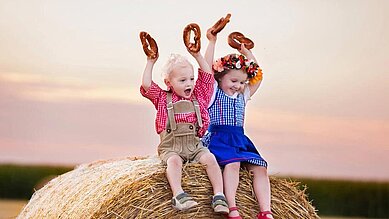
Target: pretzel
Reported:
point(193, 47)
point(235, 39)
point(147, 41)
point(220, 24)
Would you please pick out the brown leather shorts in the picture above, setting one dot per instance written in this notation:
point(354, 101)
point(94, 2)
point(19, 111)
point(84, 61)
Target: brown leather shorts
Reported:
point(182, 142)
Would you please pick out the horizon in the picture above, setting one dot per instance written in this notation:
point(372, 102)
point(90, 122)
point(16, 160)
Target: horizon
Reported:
point(70, 74)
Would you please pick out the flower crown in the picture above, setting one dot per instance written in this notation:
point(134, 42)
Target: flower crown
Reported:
point(235, 61)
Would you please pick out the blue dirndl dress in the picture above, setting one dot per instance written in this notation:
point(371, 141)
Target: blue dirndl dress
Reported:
point(225, 137)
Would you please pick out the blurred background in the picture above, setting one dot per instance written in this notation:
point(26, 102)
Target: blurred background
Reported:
point(70, 74)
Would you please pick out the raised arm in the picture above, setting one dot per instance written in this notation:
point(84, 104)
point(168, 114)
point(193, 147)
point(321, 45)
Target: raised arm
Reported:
point(209, 53)
point(249, 55)
point(203, 64)
point(148, 72)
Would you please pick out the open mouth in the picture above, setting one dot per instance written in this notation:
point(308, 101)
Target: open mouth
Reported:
point(187, 91)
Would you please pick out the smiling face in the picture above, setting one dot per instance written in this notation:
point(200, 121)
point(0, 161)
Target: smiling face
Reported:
point(233, 81)
point(181, 80)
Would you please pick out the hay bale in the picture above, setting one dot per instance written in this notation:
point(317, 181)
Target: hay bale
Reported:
point(138, 188)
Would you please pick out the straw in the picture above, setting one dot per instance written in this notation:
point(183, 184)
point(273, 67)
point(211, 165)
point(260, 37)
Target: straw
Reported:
point(138, 188)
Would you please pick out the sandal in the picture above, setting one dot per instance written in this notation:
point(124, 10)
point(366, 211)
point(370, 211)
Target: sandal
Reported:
point(264, 215)
point(219, 204)
point(183, 202)
point(234, 217)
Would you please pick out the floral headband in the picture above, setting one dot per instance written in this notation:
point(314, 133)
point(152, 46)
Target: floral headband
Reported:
point(235, 61)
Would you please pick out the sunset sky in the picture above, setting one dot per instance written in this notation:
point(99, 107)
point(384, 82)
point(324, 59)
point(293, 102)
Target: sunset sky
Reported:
point(70, 73)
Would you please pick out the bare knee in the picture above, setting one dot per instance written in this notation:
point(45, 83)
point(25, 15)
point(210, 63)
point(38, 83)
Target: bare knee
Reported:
point(233, 167)
point(258, 170)
point(174, 161)
point(208, 159)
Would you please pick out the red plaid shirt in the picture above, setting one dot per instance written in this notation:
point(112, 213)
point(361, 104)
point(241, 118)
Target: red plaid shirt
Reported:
point(202, 91)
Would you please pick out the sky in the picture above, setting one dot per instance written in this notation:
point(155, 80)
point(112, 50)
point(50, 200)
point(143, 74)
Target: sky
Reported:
point(70, 74)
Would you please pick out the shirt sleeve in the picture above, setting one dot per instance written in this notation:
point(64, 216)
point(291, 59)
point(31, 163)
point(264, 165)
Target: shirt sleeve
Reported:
point(213, 97)
point(153, 93)
point(246, 94)
point(204, 86)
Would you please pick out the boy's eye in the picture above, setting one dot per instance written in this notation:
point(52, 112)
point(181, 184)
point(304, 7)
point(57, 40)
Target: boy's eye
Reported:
point(192, 79)
point(182, 80)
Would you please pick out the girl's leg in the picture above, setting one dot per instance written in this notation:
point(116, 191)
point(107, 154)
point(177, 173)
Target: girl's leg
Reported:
point(231, 182)
point(173, 173)
point(213, 171)
point(261, 186)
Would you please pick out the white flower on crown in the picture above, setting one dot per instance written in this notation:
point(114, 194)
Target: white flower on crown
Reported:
point(248, 62)
point(237, 65)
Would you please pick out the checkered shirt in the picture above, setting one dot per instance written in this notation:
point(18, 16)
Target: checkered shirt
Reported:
point(202, 91)
point(226, 110)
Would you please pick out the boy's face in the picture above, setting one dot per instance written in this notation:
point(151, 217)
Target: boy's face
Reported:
point(233, 81)
point(181, 79)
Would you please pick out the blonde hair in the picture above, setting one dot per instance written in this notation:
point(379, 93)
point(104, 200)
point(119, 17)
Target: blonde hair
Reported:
point(175, 60)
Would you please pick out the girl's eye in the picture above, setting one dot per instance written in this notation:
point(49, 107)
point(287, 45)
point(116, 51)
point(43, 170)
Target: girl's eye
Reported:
point(242, 82)
point(192, 79)
point(182, 80)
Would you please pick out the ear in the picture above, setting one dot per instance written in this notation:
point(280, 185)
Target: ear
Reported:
point(167, 82)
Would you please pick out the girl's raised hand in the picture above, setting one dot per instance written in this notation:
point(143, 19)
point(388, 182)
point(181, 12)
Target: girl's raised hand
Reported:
point(243, 50)
point(210, 35)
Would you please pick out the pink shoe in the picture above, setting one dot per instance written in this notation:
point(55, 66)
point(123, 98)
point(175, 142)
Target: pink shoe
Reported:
point(235, 217)
point(264, 215)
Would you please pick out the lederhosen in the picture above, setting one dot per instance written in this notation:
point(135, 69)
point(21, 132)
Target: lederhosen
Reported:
point(181, 138)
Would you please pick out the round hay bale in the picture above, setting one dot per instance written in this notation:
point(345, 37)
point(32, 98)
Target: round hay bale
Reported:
point(138, 188)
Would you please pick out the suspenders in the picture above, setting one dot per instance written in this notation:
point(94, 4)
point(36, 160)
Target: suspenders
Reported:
point(181, 107)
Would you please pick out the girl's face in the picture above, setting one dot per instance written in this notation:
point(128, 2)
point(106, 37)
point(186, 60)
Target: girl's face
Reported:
point(233, 81)
point(181, 80)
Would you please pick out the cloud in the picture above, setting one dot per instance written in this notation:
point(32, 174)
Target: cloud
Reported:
point(320, 145)
point(45, 88)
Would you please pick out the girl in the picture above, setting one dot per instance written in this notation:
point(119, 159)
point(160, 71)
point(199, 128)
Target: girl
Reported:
point(225, 137)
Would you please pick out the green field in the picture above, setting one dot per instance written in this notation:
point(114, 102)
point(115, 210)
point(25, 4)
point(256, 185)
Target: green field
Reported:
point(331, 197)
point(11, 208)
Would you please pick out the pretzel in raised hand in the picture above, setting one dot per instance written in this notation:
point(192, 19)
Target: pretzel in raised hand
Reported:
point(193, 47)
point(235, 39)
point(148, 41)
point(220, 24)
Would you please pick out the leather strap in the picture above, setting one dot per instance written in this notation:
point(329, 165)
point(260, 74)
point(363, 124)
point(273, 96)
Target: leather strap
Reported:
point(198, 114)
point(170, 113)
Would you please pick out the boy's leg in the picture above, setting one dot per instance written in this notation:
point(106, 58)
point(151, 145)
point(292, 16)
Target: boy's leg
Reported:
point(180, 200)
point(261, 185)
point(174, 173)
point(214, 173)
point(231, 182)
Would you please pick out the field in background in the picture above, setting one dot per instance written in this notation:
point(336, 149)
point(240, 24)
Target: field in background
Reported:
point(330, 197)
point(11, 208)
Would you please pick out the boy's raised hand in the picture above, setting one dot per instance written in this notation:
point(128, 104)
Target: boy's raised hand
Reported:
point(153, 60)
